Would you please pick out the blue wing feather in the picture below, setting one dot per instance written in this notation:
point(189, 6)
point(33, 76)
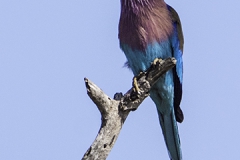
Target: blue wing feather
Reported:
point(177, 49)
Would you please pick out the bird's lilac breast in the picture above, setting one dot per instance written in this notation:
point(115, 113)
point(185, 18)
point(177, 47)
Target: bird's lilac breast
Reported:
point(141, 28)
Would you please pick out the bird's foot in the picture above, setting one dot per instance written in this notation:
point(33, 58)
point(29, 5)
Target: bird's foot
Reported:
point(157, 61)
point(135, 83)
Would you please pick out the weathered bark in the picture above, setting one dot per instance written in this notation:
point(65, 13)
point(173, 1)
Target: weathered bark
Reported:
point(115, 111)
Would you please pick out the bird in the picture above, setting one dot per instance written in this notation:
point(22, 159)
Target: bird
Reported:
point(150, 30)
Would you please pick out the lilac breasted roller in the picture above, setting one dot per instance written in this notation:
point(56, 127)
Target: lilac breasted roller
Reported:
point(150, 29)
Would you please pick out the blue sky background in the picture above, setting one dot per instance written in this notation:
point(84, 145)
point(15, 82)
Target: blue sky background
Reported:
point(47, 47)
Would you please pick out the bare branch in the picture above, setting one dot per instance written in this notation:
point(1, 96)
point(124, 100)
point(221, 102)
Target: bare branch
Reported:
point(115, 111)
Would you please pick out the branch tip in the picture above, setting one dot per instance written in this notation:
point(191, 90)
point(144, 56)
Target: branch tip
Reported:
point(85, 79)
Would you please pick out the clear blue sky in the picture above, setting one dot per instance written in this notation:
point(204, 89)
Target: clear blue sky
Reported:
point(47, 47)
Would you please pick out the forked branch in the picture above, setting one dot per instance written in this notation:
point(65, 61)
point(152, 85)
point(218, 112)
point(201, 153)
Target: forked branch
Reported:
point(115, 111)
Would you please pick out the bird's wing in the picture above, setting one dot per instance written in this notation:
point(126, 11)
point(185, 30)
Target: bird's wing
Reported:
point(177, 48)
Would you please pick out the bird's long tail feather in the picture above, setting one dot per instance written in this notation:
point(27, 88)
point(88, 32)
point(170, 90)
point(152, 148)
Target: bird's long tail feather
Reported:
point(170, 132)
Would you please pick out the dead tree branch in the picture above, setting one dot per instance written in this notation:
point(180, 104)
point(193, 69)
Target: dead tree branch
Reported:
point(115, 111)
